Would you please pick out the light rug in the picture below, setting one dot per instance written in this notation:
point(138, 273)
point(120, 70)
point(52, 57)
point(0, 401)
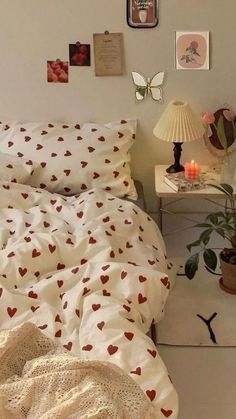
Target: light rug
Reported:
point(198, 312)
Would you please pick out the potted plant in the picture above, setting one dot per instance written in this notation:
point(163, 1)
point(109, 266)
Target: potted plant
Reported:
point(222, 223)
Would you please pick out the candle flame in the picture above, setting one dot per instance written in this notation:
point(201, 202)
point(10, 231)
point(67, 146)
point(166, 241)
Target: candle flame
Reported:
point(192, 162)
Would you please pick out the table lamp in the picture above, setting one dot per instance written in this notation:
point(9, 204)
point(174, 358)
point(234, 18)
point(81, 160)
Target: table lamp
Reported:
point(178, 124)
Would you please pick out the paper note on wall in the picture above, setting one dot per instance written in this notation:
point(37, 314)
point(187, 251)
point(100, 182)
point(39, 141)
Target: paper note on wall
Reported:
point(108, 54)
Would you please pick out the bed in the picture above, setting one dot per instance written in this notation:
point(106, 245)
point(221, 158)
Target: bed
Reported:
point(77, 260)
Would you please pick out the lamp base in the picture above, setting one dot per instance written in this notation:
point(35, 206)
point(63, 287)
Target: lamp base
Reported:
point(175, 168)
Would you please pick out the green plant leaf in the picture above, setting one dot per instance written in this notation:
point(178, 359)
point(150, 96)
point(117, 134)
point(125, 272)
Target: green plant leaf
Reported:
point(224, 187)
point(228, 218)
point(221, 133)
point(210, 259)
point(227, 227)
point(205, 236)
point(221, 232)
point(220, 214)
point(193, 244)
point(191, 266)
point(228, 188)
point(203, 225)
point(213, 218)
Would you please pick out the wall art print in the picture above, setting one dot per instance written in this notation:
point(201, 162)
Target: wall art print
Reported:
point(192, 50)
point(142, 13)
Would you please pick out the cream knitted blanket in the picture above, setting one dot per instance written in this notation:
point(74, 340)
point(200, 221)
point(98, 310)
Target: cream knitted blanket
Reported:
point(40, 380)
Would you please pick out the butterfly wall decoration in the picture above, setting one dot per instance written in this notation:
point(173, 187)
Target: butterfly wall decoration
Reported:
point(145, 86)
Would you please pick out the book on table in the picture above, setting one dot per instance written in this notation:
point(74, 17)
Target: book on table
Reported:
point(179, 183)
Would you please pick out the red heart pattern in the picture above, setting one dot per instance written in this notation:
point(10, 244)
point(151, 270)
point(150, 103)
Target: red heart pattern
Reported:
point(152, 352)
point(11, 254)
point(58, 319)
point(85, 291)
point(138, 371)
point(51, 248)
point(141, 299)
point(22, 271)
point(104, 279)
point(123, 275)
point(87, 348)
point(151, 394)
point(75, 270)
point(33, 308)
point(166, 413)
point(94, 146)
point(68, 346)
point(32, 294)
point(111, 349)
point(43, 326)
point(35, 253)
point(101, 325)
point(112, 265)
point(11, 311)
point(96, 307)
point(129, 335)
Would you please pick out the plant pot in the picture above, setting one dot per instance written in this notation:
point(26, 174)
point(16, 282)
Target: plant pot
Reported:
point(228, 280)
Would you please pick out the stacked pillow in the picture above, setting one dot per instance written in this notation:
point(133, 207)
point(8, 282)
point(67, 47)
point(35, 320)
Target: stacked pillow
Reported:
point(71, 159)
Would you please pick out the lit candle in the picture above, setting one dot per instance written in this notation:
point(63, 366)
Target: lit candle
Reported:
point(191, 170)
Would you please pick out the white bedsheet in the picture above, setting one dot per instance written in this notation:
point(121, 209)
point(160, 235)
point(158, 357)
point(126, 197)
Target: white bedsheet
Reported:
point(90, 272)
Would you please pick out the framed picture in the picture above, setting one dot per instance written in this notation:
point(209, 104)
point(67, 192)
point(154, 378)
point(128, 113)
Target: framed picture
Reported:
point(192, 50)
point(142, 13)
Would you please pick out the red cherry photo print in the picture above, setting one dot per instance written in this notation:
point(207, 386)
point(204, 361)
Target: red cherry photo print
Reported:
point(57, 71)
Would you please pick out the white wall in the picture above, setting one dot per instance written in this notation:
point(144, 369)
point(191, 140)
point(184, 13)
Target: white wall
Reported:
point(32, 31)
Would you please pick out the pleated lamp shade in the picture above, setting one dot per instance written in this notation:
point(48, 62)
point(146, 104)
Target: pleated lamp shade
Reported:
point(179, 124)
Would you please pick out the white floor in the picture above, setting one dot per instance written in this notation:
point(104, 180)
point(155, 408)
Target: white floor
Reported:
point(204, 377)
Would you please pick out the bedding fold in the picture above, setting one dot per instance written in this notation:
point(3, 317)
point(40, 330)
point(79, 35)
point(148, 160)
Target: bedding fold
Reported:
point(90, 272)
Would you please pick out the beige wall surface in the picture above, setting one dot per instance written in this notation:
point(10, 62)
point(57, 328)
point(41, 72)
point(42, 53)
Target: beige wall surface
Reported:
point(32, 32)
